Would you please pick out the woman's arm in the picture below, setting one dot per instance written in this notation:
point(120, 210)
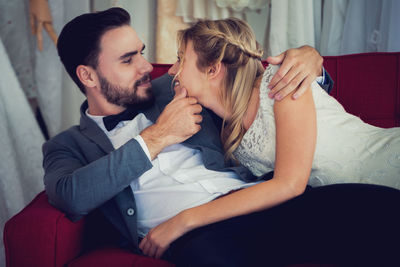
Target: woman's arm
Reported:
point(295, 145)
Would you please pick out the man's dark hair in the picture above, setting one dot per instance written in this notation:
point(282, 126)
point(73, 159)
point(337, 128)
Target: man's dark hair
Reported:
point(79, 40)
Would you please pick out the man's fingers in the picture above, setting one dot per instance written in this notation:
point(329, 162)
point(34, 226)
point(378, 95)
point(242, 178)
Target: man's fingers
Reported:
point(276, 59)
point(191, 100)
point(198, 119)
point(305, 85)
point(290, 87)
point(283, 83)
point(39, 36)
point(282, 71)
point(180, 93)
point(197, 109)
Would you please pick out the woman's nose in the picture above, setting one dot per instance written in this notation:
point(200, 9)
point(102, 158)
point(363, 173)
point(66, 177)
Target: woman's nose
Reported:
point(173, 70)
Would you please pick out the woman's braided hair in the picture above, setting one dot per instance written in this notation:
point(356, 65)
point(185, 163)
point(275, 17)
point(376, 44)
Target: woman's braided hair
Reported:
point(232, 42)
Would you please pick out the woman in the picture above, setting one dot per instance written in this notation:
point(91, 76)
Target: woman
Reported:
point(311, 140)
point(219, 64)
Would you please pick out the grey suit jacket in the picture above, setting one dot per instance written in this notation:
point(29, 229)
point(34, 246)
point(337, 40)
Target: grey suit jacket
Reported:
point(84, 173)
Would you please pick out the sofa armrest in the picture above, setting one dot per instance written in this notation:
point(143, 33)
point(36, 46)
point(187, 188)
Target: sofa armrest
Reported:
point(41, 235)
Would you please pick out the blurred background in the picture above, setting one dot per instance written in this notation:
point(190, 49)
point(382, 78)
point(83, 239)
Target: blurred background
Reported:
point(39, 100)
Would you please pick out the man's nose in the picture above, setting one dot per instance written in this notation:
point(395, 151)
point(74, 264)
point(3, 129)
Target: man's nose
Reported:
point(145, 67)
point(173, 70)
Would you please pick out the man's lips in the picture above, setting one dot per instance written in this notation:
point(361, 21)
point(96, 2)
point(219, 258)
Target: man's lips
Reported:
point(144, 83)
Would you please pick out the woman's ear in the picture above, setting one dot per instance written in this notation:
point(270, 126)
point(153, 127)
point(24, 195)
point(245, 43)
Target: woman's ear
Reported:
point(214, 70)
point(86, 75)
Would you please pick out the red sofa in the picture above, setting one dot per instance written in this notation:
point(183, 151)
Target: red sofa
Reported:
point(368, 85)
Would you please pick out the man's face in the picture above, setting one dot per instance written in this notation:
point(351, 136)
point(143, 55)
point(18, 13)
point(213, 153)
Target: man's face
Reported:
point(122, 70)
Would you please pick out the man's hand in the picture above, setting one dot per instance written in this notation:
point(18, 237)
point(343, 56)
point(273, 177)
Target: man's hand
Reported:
point(40, 17)
point(300, 67)
point(179, 121)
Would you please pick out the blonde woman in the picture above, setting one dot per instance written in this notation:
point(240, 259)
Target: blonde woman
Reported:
point(311, 140)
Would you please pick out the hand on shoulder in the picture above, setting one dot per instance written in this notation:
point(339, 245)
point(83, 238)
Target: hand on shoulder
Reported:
point(299, 68)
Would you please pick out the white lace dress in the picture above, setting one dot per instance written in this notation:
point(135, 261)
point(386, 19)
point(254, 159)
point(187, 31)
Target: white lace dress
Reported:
point(348, 150)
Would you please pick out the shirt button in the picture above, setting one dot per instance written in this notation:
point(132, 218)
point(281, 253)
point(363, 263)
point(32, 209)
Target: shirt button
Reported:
point(130, 211)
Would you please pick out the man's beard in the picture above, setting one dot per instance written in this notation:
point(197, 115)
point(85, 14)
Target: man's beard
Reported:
point(125, 96)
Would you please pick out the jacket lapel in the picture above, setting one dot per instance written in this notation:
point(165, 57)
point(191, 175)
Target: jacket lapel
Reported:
point(90, 129)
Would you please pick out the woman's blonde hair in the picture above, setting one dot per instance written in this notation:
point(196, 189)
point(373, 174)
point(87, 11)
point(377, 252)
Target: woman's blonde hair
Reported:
point(233, 43)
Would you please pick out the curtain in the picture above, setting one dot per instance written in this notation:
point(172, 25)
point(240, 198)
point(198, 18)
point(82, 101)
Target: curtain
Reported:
point(352, 26)
point(167, 26)
point(292, 24)
point(59, 98)
point(332, 26)
point(21, 171)
point(26, 73)
point(178, 14)
point(191, 11)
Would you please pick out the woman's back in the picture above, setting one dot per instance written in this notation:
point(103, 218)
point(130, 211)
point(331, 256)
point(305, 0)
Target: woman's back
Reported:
point(348, 150)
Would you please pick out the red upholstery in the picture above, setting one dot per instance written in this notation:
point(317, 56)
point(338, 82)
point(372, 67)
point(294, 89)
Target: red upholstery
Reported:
point(367, 85)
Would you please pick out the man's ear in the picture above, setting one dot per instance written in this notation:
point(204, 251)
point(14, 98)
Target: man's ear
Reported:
point(86, 75)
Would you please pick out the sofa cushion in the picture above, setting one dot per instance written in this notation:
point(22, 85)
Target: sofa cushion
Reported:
point(116, 257)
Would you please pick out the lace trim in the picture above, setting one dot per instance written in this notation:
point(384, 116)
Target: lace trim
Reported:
point(254, 151)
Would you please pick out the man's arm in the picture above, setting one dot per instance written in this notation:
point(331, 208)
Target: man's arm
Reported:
point(77, 187)
point(327, 82)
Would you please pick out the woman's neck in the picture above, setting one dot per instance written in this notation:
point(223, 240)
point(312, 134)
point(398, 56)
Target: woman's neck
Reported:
point(213, 101)
point(252, 107)
point(216, 105)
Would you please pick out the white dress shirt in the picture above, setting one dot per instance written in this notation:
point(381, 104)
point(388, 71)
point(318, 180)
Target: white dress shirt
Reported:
point(177, 181)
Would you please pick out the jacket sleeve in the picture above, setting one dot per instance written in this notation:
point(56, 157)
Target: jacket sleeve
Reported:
point(76, 186)
point(327, 84)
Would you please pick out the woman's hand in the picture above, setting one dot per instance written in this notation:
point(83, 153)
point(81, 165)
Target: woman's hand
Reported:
point(40, 17)
point(158, 240)
point(300, 67)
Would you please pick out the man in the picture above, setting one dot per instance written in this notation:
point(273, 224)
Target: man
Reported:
point(125, 161)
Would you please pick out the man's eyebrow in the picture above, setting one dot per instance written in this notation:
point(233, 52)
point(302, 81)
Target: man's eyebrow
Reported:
point(130, 54)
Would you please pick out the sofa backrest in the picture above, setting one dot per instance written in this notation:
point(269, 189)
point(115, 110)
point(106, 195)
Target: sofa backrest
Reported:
point(367, 85)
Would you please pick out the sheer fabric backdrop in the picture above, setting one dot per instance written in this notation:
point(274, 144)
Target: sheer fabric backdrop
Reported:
point(21, 174)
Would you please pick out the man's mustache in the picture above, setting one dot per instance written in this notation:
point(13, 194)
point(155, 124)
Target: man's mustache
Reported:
point(144, 79)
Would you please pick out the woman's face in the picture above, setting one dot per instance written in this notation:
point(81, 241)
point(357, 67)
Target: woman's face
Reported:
point(190, 77)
